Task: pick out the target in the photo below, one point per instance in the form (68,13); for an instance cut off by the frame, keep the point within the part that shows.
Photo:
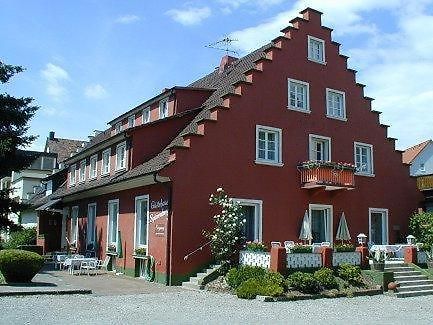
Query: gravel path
(190,307)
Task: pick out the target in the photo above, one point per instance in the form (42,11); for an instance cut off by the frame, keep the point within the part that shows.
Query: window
(74,225)
(121,156)
(82,172)
(163,108)
(335,104)
(118,127)
(378,222)
(113,216)
(299,95)
(321,222)
(92,167)
(320,148)
(146,115)
(268,145)
(252,213)
(422,167)
(364,159)
(106,162)
(316,49)
(72,173)
(141,220)
(48,163)
(91,223)
(131,121)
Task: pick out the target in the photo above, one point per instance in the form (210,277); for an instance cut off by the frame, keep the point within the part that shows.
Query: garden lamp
(410,240)
(362,239)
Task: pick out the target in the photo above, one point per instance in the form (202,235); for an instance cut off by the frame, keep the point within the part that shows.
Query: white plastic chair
(275,244)
(288,244)
(88,266)
(102,264)
(325,244)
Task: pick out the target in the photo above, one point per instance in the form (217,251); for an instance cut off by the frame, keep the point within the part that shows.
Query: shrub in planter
(350,273)
(256,247)
(236,276)
(301,248)
(344,247)
(326,278)
(141,251)
(304,282)
(19,266)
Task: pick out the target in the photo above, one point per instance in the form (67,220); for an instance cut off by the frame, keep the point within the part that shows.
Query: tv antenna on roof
(223,45)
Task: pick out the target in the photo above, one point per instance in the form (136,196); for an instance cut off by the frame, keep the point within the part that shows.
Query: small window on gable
(320,148)
(335,104)
(268,145)
(121,156)
(72,172)
(316,49)
(131,121)
(146,115)
(163,108)
(118,127)
(299,95)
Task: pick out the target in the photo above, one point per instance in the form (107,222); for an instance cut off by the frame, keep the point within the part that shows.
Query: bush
(236,276)
(300,248)
(326,279)
(421,226)
(26,236)
(248,289)
(271,284)
(344,247)
(19,266)
(256,247)
(304,282)
(425,247)
(350,273)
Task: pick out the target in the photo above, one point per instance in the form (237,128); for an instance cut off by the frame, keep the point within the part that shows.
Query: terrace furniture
(288,244)
(75,262)
(275,243)
(88,266)
(325,244)
(103,264)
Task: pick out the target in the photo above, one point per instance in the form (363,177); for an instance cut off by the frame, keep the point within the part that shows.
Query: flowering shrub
(301,248)
(344,247)
(336,165)
(256,247)
(227,236)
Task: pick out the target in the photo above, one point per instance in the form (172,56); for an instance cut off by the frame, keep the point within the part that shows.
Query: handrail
(196,250)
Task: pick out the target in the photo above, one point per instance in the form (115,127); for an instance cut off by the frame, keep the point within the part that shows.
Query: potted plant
(256,247)
(343,247)
(378,258)
(112,248)
(141,251)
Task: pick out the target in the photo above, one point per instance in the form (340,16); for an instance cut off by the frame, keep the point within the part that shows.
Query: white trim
(323,49)
(258,216)
(355,143)
(108,221)
(93,157)
(118,127)
(65,214)
(109,162)
(341,118)
(82,162)
(321,137)
(131,118)
(161,102)
(94,224)
(143,198)
(74,237)
(279,161)
(315,206)
(122,144)
(143,121)
(385,224)
(307,109)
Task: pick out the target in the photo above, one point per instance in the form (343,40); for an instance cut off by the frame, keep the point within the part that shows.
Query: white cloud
(55,76)
(228,6)
(189,16)
(127,19)
(95,91)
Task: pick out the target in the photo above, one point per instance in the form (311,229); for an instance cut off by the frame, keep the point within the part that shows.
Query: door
(378,226)
(249,230)
(321,220)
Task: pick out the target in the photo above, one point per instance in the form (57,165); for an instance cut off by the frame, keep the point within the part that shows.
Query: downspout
(168,246)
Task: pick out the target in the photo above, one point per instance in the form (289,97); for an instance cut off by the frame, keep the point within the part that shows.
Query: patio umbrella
(343,230)
(306,228)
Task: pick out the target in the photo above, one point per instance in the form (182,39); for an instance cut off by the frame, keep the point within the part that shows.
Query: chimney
(226,62)
(51,135)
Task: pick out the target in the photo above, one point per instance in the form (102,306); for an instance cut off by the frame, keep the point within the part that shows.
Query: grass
(426,271)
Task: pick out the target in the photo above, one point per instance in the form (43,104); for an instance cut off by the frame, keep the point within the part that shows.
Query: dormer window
(118,127)
(316,49)
(146,115)
(105,170)
(163,108)
(131,121)
(121,156)
(82,172)
(72,174)
(92,167)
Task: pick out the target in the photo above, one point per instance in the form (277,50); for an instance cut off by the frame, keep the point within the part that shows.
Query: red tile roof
(411,153)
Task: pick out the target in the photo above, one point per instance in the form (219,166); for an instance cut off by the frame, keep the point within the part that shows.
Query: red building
(247,127)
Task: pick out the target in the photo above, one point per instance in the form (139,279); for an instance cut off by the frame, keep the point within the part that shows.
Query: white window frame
(120,145)
(118,127)
(131,121)
(307,96)
(103,172)
(74,224)
(162,104)
(73,175)
(330,114)
(137,231)
(362,144)
(95,170)
(114,201)
(385,224)
(88,239)
(422,168)
(315,206)
(312,38)
(146,115)
(82,171)
(279,154)
(258,216)
(311,137)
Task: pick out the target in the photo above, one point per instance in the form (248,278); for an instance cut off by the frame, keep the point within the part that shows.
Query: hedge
(19,266)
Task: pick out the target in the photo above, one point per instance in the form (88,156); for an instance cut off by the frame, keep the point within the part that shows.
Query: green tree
(421,226)
(15,114)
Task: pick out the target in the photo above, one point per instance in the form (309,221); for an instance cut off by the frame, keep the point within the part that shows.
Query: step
(415,288)
(415,283)
(409,278)
(404,273)
(399,269)
(192,286)
(414,293)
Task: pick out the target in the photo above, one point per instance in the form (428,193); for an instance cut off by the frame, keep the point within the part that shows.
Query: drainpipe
(169,187)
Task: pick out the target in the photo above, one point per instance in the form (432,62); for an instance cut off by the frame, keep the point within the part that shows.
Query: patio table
(397,249)
(71,263)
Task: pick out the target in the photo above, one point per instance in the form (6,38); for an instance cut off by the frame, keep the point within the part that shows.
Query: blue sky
(88,61)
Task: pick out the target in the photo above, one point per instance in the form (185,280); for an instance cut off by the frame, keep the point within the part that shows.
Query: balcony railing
(328,175)
(425,182)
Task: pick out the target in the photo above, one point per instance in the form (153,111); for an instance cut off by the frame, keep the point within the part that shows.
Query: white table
(71,263)
(397,249)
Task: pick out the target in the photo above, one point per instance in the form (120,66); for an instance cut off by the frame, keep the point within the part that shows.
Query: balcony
(425,182)
(327,175)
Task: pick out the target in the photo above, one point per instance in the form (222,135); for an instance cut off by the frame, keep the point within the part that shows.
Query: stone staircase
(412,283)
(198,281)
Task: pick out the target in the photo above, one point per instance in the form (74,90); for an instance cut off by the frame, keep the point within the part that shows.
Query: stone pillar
(410,255)
(278,259)
(364,256)
(326,256)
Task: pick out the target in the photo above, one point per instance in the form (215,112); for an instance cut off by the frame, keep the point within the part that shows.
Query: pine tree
(15,114)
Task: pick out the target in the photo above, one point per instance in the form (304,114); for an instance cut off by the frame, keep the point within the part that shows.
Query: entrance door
(321,220)
(378,226)
(252,213)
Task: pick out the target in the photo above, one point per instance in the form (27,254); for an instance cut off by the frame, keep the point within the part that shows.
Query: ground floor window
(113,216)
(252,213)
(141,221)
(321,222)
(378,221)
(74,225)
(91,223)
